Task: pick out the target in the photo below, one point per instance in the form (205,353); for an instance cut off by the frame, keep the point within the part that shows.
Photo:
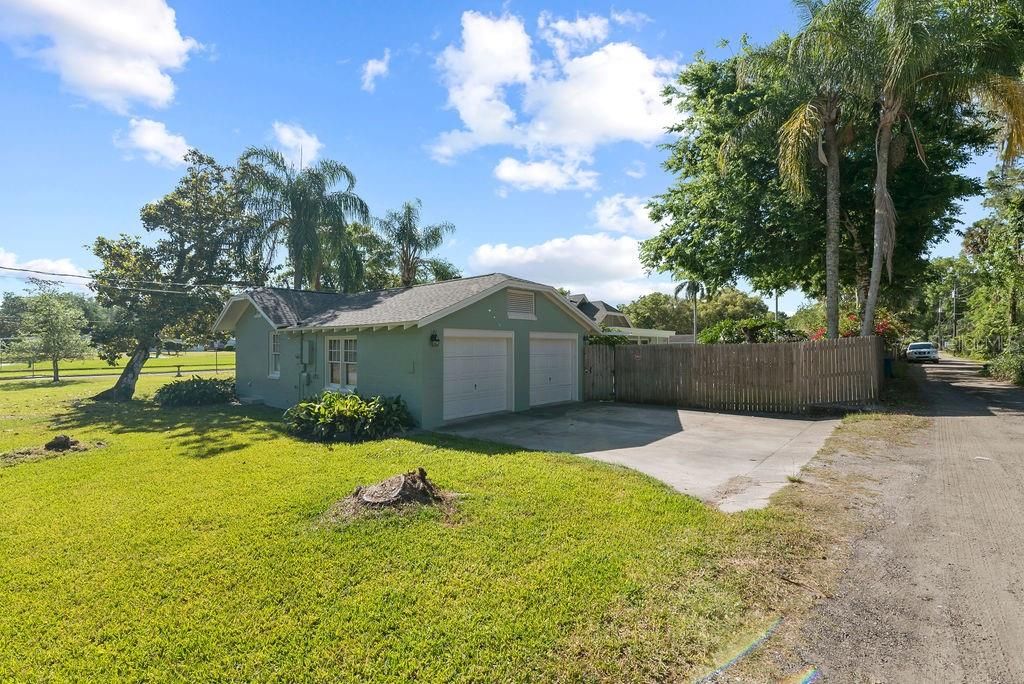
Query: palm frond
(1004,96)
(797,136)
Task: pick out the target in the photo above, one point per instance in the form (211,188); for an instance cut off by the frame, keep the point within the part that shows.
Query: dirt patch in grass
(60,444)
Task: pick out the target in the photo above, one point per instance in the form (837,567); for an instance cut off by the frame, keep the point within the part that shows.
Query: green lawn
(188,548)
(204,361)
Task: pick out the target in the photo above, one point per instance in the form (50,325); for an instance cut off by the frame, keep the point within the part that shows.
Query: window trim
(327,362)
(271,373)
(515,315)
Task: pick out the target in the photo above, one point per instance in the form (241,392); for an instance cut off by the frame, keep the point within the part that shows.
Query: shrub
(196,391)
(332,417)
(731,331)
(1010,364)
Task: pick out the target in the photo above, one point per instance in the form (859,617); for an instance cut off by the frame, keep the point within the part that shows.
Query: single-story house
(452,349)
(616,322)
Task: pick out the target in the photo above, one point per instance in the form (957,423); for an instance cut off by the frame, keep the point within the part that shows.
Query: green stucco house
(452,350)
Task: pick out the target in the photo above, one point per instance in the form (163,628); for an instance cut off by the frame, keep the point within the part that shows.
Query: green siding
(252,363)
(490,313)
(396,362)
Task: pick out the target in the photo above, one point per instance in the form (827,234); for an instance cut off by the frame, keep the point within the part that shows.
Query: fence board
(779,377)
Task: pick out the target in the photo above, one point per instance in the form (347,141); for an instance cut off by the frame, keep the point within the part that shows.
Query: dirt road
(935,591)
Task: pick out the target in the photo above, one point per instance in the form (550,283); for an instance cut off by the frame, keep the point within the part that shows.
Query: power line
(116,287)
(126,280)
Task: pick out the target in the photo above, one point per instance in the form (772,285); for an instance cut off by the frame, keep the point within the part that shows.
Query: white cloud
(374,69)
(558,111)
(495,53)
(636,170)
(607,96)
(621,214)
(154,141)
(546,175)
(299,146)
(630,18)
(566,37)
(601,265)
(114,52)
(63,265)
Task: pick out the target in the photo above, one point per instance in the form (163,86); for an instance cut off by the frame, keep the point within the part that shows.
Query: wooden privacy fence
(783,377)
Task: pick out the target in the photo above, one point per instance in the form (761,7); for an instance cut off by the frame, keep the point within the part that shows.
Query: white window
(520,305)
(275,355)
(341,362)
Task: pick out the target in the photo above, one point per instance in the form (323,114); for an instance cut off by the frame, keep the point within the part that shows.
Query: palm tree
(965,53)
(410,245)
(694,289)
(303,207)
(824,64)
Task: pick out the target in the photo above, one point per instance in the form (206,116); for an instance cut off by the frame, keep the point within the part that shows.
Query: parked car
(922,351)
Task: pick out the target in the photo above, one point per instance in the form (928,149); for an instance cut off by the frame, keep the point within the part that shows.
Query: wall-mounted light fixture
(435,341)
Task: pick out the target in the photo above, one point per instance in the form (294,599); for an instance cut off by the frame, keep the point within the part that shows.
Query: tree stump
(407,488)
(60,443)
(395,493)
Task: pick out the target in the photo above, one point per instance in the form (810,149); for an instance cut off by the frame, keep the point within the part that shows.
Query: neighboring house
(452,349)
(602,313)
(618,323)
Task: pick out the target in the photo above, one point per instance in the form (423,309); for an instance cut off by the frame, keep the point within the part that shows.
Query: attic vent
(520,304)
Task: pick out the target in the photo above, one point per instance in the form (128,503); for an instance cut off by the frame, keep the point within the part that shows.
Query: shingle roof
(305,309)
(599,311)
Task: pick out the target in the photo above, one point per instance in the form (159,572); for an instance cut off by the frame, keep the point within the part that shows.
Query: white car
(922,351)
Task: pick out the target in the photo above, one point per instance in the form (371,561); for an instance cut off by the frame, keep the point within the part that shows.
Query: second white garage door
(553,365)
(477,370)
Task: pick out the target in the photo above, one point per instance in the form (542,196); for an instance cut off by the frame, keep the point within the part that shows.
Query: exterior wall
(388,363)
(252,363)
(491,314)
(396,362)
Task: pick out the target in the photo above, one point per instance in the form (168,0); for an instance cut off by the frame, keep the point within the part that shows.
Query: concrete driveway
(730,461)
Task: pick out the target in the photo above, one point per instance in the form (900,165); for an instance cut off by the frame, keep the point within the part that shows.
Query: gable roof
(598,310)
(396,307)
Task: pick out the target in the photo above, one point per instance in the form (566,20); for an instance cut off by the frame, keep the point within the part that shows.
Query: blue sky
(533,127)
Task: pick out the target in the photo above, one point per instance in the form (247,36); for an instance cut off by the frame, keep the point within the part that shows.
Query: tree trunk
(297,279)
(883,215)
(1014,306)
(124,388)
(862,273)
(832,229)
(56,369)
(695,319)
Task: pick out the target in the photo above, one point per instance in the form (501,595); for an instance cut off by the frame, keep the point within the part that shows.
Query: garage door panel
(476,375)
(553,363)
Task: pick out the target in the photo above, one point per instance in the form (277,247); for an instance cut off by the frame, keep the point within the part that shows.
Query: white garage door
(553,365)
(476,375)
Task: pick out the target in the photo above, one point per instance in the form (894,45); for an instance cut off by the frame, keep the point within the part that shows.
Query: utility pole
(955,339)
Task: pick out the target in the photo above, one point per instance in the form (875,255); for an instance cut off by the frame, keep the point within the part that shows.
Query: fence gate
(598,372)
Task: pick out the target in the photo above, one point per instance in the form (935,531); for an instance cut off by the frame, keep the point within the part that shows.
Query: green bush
(1010,364)
(333,417)
(749,330)
(196,391)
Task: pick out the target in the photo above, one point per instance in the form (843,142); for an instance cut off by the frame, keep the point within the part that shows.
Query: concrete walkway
(734,462)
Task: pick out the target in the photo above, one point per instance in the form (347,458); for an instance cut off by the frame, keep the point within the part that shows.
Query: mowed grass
(203,361)
(189,548)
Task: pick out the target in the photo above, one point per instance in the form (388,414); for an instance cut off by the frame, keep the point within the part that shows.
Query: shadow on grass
(37,384)
(447,442)
(201,431)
